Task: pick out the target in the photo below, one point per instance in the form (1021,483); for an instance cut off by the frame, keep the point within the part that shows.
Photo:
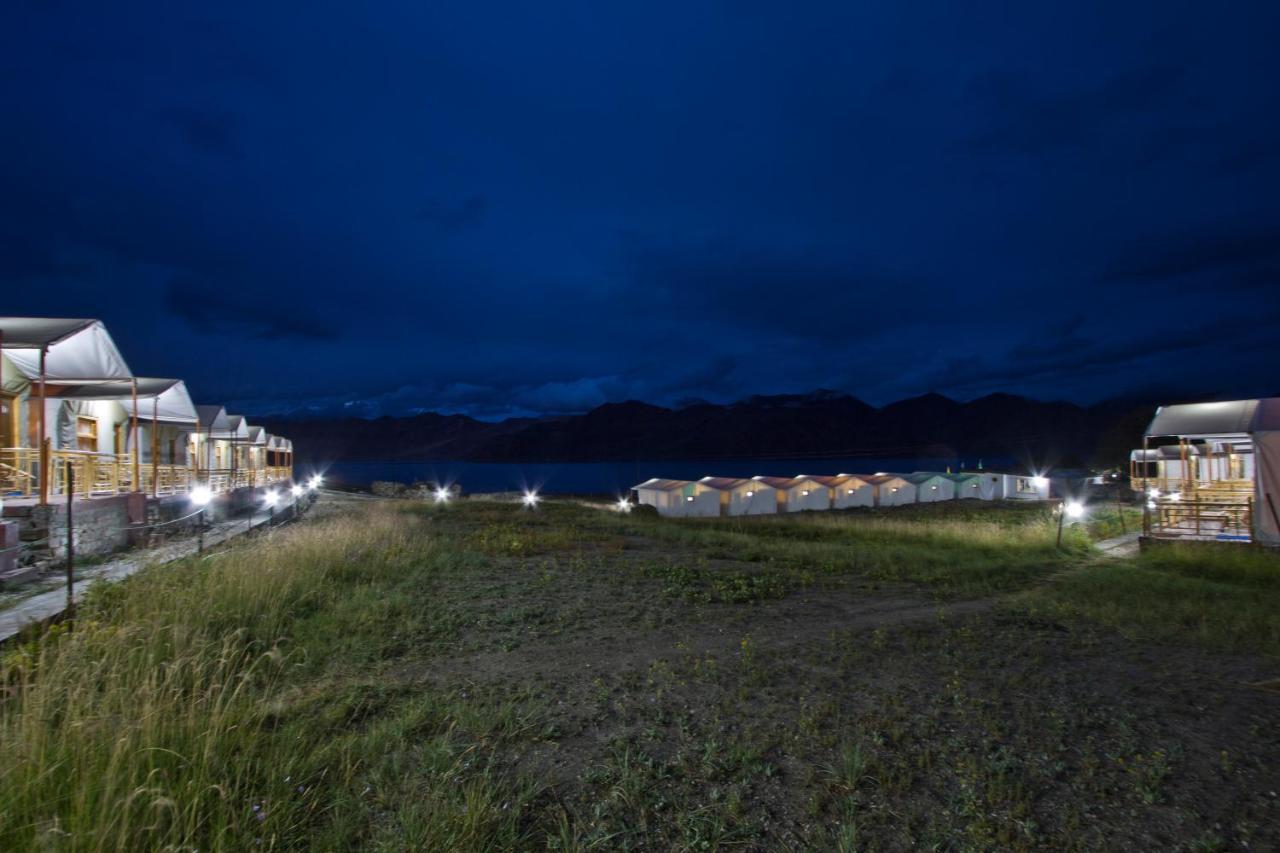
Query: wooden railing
(113,474)
(1200,516)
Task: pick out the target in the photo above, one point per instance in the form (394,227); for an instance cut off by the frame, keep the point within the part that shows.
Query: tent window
(1023,485)
(86,434)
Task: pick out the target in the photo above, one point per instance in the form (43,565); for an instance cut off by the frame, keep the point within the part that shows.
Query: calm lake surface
(615,478)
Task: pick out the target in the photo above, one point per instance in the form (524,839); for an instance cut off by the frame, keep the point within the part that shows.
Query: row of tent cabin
(722,496)
(74,417)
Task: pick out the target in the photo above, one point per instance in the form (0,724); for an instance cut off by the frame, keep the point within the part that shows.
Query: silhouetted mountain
(822,423)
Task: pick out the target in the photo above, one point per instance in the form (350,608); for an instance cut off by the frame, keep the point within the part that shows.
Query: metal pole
(71,543)
(137,451)
(200,532)
(1120,510)
(1062,510)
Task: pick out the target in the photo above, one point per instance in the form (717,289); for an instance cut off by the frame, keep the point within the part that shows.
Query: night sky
(534,208)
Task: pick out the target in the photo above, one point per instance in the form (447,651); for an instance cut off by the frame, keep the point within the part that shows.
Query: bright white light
(804,492)
(1151,504)
(1039,482)
(530,499)
(201,495)
(297,491)
(689,498)
(1175,496)
(270,498)
(315,482)
(751,494)
(1074,509)
(1155,493)
(442,495)
(624,505)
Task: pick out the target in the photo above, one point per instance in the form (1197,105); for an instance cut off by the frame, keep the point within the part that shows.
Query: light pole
(1074,509)
(200,497)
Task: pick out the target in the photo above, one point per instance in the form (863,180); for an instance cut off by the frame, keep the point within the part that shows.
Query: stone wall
(102,525)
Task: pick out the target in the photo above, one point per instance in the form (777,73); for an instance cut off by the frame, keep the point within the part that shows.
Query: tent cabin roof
(919,477)
(167,400)
(882,479)
(1233,417)
(273,442)
(824,480)
(1266,417)
(658,484)
(962,477)
(257,435)
(75,350)
(212,417)
(236,429)
(724,484)
(780,483)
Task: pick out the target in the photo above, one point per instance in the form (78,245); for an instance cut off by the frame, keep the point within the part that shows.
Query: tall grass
(952,554)
(220,704)
(1223,597)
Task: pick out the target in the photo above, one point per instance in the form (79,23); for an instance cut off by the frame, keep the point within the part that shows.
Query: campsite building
(1211,471)
(73,416)
(972,486)
(754,496)
(892,490)
(930,487)
(678,498)
(852,490)
(1023,487)
(800,493)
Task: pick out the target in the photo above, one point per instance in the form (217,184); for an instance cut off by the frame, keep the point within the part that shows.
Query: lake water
(612,478)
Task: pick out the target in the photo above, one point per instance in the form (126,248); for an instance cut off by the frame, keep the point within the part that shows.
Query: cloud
(237,309)
(206,132)
(1245,258)
(469,213)
(1030,123)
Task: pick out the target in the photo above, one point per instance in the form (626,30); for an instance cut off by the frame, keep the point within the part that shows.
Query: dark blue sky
(537,207)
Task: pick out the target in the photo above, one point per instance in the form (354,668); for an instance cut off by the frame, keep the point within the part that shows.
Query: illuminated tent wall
(678,498)
(805,492)
(931,488)
(971,486)
(891,490)
(1265,430)
(753,496)
(853,490)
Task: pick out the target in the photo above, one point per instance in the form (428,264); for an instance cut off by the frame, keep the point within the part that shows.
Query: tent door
(8,420)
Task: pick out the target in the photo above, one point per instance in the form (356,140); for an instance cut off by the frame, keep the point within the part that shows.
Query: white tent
(892,490)
(971,486)
(678,498)
(932,487)
(739,496)
(1265,429)
(806,492)
(62,351)
(853,490)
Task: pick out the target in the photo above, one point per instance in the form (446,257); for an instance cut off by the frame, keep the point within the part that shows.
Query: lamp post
(270,499)
(200,497)
(296,491)
(1074,509)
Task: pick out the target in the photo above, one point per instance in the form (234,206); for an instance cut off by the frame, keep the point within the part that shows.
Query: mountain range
(821,423)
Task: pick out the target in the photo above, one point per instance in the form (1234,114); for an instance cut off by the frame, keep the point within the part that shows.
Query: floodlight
(1074,509)
(200,495)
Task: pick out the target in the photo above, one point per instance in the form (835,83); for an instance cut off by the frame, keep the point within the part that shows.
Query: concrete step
(20,576)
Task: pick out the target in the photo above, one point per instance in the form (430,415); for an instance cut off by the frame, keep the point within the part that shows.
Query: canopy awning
(1203,420)
(236,429)
(167,400)
(76,351)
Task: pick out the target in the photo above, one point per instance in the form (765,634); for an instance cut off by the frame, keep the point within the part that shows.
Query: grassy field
(478,676)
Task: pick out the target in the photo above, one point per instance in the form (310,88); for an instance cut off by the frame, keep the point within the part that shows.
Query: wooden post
(1062,511)
(71,542)
(44,451)
(1146,492)
(155,446)
(137,451)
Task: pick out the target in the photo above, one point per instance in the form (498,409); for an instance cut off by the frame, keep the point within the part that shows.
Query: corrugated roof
(1230,418)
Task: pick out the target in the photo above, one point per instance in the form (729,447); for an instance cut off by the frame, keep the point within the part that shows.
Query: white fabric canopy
(76,350)
(212,418)
(1203,419)
(166,399)
(1266,481)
